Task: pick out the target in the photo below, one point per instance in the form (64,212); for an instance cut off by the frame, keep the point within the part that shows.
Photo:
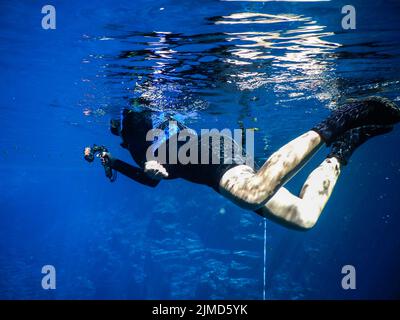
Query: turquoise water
(278,66)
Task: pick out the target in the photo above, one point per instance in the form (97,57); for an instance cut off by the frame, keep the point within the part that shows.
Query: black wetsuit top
(134,129)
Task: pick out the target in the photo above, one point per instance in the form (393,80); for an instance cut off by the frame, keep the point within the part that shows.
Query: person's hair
(137,123)
(135,126)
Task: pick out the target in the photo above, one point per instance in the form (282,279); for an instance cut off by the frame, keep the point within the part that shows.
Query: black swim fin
(358,113)
(344,146)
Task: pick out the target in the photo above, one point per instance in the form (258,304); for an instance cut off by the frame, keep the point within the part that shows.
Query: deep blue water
(276,66)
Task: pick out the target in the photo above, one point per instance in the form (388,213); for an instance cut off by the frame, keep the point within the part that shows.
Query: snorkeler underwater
(200,150)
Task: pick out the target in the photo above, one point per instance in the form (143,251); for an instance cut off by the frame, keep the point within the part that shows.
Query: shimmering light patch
(299,55)
(237,62)
(174,71)
(250,80)
(252,17)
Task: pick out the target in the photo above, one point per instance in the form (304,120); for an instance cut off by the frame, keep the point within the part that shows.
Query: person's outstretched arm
(132,172)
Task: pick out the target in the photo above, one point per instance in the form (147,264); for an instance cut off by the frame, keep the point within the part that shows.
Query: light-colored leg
(252,190)
(304,211)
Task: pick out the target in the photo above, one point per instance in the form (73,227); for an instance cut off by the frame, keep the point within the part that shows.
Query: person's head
(137,123)
(115,126)
(133,126)
(133,130)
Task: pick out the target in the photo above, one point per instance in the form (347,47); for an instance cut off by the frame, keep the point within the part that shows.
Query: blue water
(278,66)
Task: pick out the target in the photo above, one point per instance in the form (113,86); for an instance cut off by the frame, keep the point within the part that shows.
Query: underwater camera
(91,152)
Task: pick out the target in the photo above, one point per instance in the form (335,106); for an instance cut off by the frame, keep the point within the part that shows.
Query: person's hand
(104,157)
(87,151)
(87,155)
(155,170)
